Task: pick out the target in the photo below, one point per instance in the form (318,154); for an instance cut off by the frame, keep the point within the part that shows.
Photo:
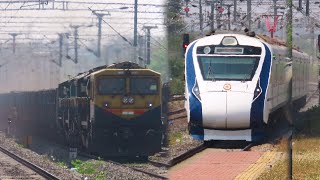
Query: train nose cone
(226,110)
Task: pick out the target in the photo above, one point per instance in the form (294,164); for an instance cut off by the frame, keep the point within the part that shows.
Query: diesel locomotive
(111,110)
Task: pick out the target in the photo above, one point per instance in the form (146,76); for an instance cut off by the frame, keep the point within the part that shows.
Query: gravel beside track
(52,153)
(11,169)
(179,138)
(40,160)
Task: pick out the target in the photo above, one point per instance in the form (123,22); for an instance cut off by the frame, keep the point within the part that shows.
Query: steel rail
(187,154)
(30,165)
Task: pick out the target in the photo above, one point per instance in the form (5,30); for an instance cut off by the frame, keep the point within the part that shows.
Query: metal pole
(314,47)
(307,8)
(60,49)
(148,46)
(275,8)
(212,17)
(300,5)
(14,42)
(275,13)
(289,55)
(140,50)
(200,17)
(76,44)
(234,10)
(289,29)
(99,34)
(67,44)
(135,33)
(218,20)
(229,13)
(249,14)
(148,58)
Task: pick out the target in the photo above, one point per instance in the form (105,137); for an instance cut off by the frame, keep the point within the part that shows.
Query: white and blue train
(235,82)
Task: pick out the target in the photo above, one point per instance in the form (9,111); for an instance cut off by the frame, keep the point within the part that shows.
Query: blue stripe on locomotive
(256,114)
(195,126)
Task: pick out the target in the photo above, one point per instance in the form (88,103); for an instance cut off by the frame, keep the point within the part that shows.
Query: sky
(34,64)
(45,24)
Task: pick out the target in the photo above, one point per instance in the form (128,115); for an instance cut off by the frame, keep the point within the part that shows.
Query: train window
(228,68)
(143,85)
(111,85)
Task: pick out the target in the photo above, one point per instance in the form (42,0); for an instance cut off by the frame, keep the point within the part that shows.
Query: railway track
(123,165)
(14,167)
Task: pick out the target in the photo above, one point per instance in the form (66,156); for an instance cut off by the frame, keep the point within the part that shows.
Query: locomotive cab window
(144,85)
(228,68)
(111,85)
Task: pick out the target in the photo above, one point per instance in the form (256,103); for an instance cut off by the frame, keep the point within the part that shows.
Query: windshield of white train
(228,68)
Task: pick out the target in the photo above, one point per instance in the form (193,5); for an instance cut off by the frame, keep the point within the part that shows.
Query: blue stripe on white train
(227,78)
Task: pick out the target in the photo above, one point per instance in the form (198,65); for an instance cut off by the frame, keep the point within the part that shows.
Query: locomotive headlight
(196,91)
(106,105)
(125,100)
(149,105)
(130,100)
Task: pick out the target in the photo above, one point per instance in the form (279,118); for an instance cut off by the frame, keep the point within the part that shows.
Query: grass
(62,164)
(175,138)
(305,153)
(89,168)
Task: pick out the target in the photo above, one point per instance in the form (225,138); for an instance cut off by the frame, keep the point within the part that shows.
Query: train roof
(122,65)
(271,41)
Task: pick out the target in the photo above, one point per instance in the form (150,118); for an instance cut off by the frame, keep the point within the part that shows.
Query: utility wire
(125,39)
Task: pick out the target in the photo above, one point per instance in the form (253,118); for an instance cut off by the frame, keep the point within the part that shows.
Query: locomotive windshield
(139,85)
(228,68)
(112,85)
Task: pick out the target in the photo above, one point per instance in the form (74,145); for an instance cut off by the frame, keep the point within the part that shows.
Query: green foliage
(76,163)
(175,138)
(310,122)
(84,167)
(159,62)
(62,164)
(176,64)
(174,21)
(177,86)
(177,68)
(101,176)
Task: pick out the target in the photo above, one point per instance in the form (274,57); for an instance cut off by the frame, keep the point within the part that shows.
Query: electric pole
(289,106)
(142,50)
(75,43)
(67,44)
(200,17)
(13,42)
(148,43)
(229,13)
(218,18)
(275,9)
(60,48)
(312,24)
(135,33)
(300,5)
(249,14)
(234,10)
(212,16)
(307,8)
(100,16)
